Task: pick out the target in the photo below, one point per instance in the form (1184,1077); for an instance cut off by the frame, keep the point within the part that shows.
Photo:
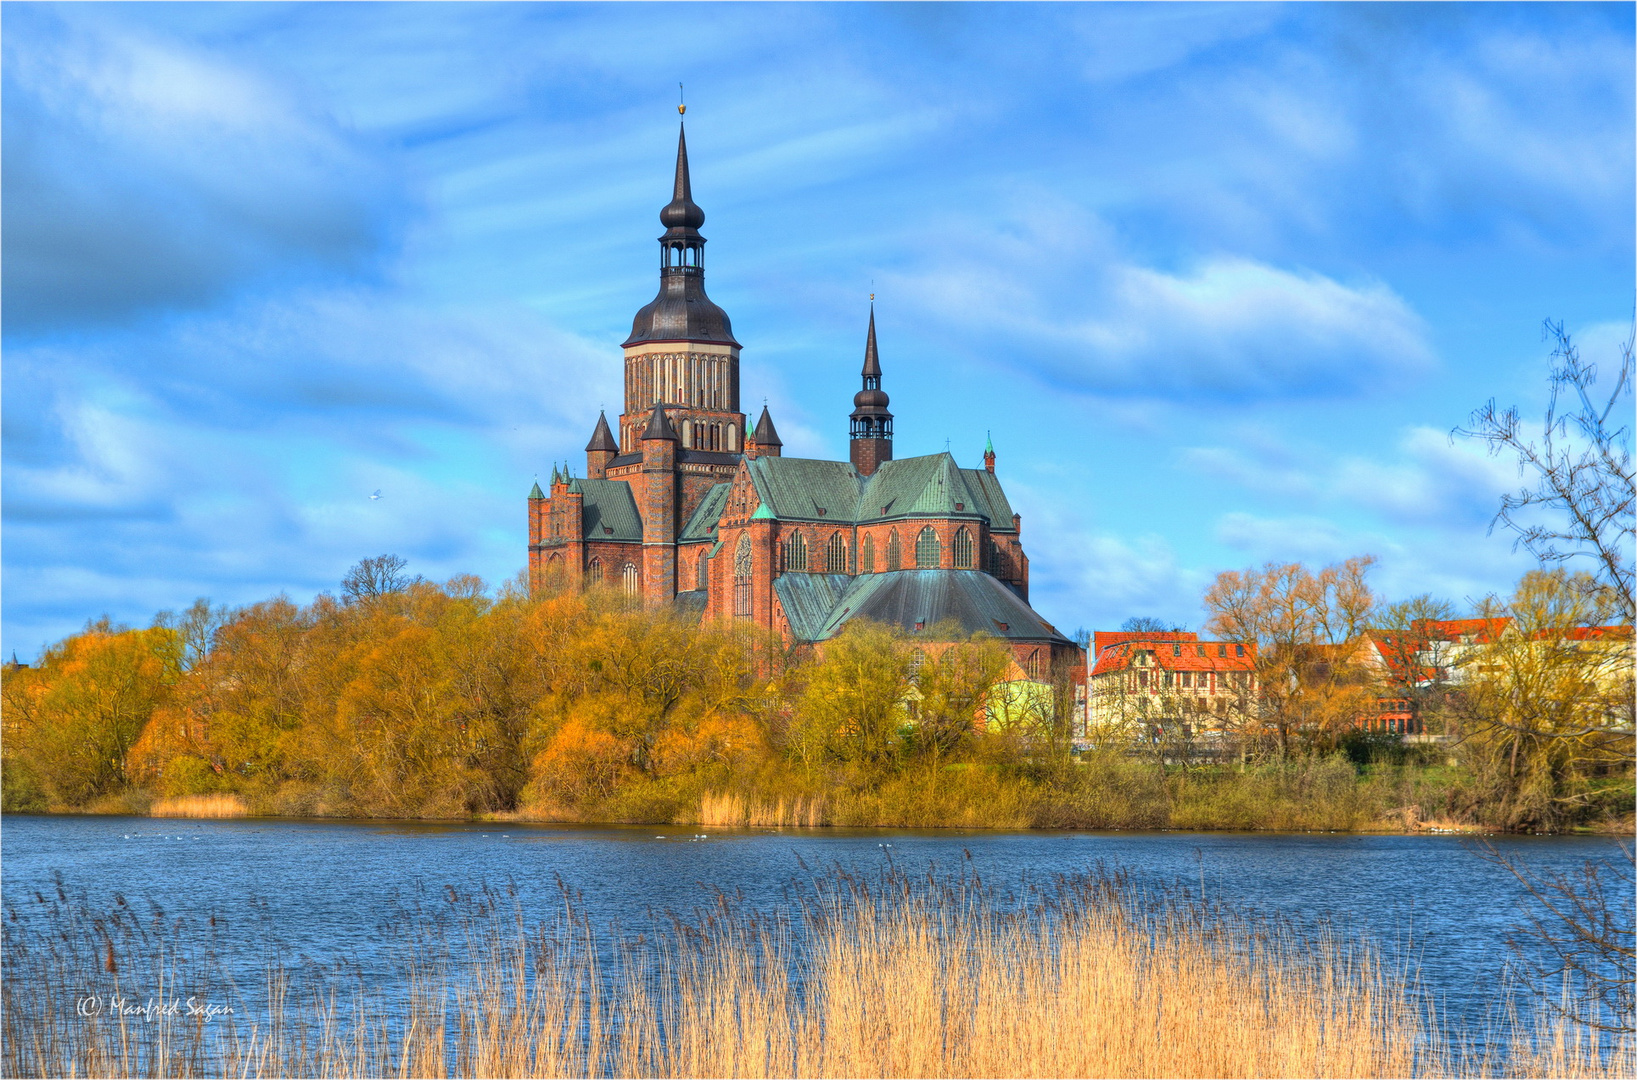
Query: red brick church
(687,506)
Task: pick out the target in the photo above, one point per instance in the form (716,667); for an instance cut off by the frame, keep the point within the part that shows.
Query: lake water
(325,888)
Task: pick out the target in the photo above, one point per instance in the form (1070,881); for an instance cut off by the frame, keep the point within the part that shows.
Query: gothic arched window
(741,579)
(835,554)
(629,579)
(994,559)
(895,553)
(963,549)
(868,563)
(594,572)
(702,575)
(795,553)
(927,549)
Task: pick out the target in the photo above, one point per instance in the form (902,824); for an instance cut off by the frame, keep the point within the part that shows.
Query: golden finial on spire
(681,104)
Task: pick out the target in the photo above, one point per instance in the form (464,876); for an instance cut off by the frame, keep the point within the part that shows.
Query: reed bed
(887,975)
(726,810)
(200,806)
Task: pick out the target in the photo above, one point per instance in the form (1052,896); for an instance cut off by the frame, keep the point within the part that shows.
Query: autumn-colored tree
(850,705)
(638,693)
(1549,702)
(1311,687)
(952,685)
(1409,673)
(232,722)
(72,720)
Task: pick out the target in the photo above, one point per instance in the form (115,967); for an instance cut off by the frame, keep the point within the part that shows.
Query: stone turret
(657,504)
(764,441)
(602,449)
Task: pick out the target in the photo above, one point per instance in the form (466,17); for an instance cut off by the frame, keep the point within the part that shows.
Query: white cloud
(1248,330)
(235,455)
(1428,479)
(1050,291)
(144,175)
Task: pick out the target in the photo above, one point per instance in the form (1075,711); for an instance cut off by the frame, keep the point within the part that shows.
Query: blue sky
(1220,280)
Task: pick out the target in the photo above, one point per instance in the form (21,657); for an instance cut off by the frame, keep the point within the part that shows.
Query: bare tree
(196,630)
(1147,624)
(374,578)
(1576,953)
(1579,468)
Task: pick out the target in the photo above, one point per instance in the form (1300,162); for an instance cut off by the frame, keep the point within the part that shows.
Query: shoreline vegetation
(885,974)
(418,701)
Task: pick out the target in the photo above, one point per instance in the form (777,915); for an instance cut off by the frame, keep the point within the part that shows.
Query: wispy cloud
(141,174)
(1050,286)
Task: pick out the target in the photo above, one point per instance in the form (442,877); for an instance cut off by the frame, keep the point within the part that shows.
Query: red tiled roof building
(1152,682)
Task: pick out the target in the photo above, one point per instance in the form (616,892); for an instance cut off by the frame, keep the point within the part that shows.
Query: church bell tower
(681,353)
(871,422)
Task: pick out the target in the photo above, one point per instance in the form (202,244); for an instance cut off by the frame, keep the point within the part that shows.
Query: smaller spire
(659,426)
(988,442)
(535,492)
(765,434)
(602,438)
(872,362)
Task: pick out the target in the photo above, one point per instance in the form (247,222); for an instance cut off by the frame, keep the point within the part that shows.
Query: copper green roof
(809,600)
(535,492)
(702,523)
(802,489)
(610,511)
(971,599)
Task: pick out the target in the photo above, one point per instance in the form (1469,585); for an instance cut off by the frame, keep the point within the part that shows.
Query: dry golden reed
(888,975)
(200,806)
(724,810)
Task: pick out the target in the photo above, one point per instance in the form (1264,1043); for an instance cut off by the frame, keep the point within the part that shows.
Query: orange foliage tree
(1304,625)
(71,721)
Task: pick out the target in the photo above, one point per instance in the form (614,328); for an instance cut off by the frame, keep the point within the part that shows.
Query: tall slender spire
(872,361)
(871,421)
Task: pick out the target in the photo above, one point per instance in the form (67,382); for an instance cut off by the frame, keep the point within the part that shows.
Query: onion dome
(682,212)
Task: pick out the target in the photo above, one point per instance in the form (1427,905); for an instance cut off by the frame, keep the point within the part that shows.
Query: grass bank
(880,976)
